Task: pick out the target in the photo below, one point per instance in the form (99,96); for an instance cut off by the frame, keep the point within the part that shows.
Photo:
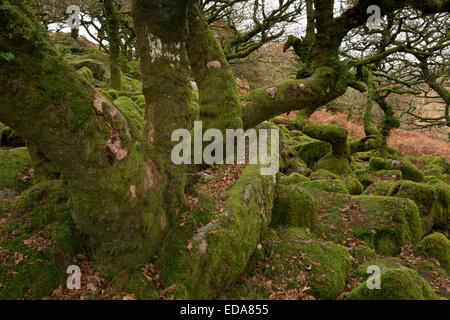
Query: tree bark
(125,192)
(112,26)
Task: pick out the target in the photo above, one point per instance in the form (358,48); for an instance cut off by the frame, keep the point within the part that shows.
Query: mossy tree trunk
(219,96)
(125,191)
(112,26)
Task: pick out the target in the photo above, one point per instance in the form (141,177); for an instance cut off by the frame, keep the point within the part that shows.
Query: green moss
(380,188)
(133,68)
(97,68)
(312,152)
(396,284)
(325,265)
(86,75)
(384,223)
(384,264)
(363,253)
(433,201)
(140,286)
(41,214)
(133,113)
(326,185)
(9,137)
(353,185)
(12,163)
(371,177)
(409,171)
(323,174)
(139,100)
(294,206)
(335,164)
(436,246)
(296,165)
(222,244)
(131,85)
(294,178)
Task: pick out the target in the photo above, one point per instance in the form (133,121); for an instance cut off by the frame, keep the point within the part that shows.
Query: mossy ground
(297,266)
(37,243)
(15,165)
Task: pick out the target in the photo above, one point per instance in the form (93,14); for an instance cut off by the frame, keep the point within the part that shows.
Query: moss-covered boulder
(385,263)
(380,188)
(433,201)
(335,164)
(323,174)
(396,284)
(293,178)
(352,185)
(133,113)
(15,166)
(371,177)
(131,85)
(86,75)
(409,171)
(305,261)
(294,206)
(436,246)
(432,165)
(210,254)
(97,68)
(326,185)
(312,152)
(9,137)
(384,223)
(37,243)
(133,68)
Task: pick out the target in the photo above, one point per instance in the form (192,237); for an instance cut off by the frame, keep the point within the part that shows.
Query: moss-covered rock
(139,100)
(324,265)
(140,286)
(384,223)
(371,177)
(211,254)
(380,188)
(296,165)
(9,137)
(363,253)
(337,165)
(38,242)
(433,201)
(15,165)
(326,185)
(293,178)
(396,284)
(86,74)
(133,113)
(131,85)
(353,185)
(294,206)
(323,174)
(312,152)
(97,68)
(384,264)
(133,68)
(409,171)
(436,246)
